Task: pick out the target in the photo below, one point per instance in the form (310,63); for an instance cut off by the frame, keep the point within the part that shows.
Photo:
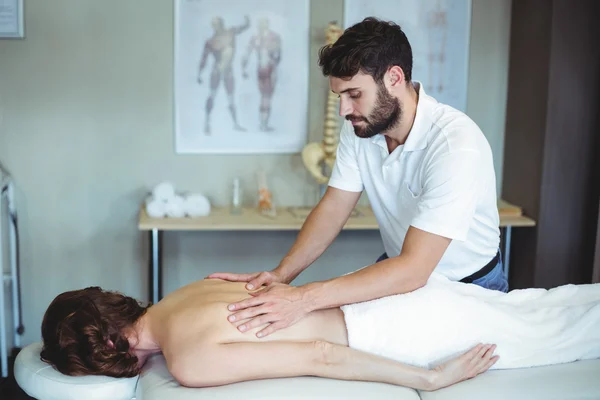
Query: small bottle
(236,198)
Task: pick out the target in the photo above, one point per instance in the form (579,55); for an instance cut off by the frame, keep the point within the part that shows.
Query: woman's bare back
(196,314)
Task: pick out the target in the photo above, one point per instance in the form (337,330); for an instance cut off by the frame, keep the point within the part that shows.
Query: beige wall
(488,73)
(86,130)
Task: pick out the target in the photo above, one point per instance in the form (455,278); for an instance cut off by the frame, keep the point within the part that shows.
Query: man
(267,45)
(222,47)
(427,170)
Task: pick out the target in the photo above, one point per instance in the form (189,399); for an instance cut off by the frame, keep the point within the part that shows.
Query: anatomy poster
(439,33)
(241,76)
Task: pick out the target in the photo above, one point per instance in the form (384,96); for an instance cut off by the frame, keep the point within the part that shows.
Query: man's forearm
(386,278)
(420,254)
(321,227)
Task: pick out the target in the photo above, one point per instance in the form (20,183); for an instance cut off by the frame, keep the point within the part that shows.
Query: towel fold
(155,208)
(164,191)
(174,207)
(196,205)
(531,327)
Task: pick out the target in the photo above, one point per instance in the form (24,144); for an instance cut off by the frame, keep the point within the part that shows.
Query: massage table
(573,381)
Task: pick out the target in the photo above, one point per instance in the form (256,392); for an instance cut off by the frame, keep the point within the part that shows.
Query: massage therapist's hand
(277,305)
(255,280)
(466,366)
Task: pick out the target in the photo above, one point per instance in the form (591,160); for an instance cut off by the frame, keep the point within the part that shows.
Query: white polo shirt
(441,180)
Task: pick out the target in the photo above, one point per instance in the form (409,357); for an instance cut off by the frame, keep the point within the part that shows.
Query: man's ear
(395,76)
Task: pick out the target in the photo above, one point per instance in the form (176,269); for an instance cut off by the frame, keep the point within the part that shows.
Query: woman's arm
(235,362)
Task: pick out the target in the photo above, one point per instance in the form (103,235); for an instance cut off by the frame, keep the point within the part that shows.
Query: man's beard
(386,115)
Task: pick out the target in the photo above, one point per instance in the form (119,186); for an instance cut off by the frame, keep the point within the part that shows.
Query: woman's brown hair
(77,327)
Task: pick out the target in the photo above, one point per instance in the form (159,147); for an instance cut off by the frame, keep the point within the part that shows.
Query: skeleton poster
(241,76)
(439,34)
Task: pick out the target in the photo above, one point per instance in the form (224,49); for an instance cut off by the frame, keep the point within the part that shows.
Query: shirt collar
(417,137)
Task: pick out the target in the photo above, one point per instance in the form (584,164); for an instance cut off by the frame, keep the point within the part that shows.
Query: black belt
(483,271)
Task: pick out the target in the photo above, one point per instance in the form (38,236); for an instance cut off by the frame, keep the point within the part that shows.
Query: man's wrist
(312,294)
(286,271)
(284,277)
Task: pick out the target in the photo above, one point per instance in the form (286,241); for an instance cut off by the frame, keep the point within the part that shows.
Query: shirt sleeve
(452,184)
(346,174)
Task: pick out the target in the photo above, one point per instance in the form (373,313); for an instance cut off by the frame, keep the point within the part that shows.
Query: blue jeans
(494,280)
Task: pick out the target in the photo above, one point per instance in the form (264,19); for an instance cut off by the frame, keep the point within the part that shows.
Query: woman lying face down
(96,332)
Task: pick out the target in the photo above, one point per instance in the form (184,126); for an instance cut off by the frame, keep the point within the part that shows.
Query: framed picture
(439,33)
(241,76)
(11,19)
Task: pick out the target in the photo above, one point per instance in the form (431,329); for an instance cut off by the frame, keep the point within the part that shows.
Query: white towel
(443,319)
(174,207)
(196,205)
(155,208)
(164,191)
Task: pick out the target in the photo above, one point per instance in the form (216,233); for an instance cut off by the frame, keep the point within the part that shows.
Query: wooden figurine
(265,197)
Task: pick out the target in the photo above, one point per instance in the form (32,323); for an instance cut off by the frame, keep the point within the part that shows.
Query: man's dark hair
(371,46)
(76,329)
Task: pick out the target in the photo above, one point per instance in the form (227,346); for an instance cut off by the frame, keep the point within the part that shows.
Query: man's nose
(345,107)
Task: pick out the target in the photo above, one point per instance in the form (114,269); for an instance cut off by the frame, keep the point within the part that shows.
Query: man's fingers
(216,275)
(256,282)
(250,302)
(269,330)
(256,322)
(228,276)
(264,278)
(248,313)
(259,292)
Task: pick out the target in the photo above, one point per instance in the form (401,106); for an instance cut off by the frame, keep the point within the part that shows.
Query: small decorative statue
(319,157)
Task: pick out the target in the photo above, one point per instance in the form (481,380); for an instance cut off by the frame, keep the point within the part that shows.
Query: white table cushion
(41,381)
(156,383)
(577,381)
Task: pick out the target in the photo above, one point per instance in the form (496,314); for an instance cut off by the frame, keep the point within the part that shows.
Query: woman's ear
(110,344)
